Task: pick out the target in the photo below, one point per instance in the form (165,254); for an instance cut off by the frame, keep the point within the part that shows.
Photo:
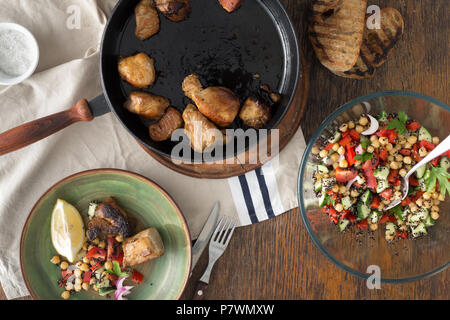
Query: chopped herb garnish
(398,124)
(363,157)
(365,142)
(329,200)
(116,270)
(398,212)
(441,176)
(382,116)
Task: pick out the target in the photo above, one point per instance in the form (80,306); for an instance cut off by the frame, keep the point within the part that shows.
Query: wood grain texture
(277,259)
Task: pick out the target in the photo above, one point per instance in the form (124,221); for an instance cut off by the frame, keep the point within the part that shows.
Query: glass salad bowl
(361,252)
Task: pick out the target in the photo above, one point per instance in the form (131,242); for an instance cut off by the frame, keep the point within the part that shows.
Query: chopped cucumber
(92,207)
(103,284)
(322,168)
(363,211)
(429,222)
(382,185)
(421,171)
(419,216)
(425,135)
(419,230)
(337,136)
(444,163)
(427,174)
(374,217)
(381,173)
(390,228)
(323,200)
(318,186)
(104,291)
(347,202)
(422,185)
(366,198)
(343,224)
(328,183)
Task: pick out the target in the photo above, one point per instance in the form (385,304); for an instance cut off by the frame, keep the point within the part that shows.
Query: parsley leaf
(329,200)
(382,116)
(398,212)
(363,157)
(398,124)
(116,270)
(365,142)
(440,175)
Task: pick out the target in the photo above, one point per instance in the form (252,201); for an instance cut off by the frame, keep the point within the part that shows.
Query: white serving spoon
(441,148)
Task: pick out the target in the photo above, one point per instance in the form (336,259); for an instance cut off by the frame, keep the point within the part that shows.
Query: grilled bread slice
(377,44)
(336,30)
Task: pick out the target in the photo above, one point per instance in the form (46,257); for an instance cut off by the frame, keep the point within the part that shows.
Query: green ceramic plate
(147,204)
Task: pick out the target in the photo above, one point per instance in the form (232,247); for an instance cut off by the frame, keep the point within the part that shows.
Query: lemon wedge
(67,229)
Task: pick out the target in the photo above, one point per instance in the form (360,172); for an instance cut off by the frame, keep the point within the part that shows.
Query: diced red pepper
(405,152)
(345,141)
(370,178)
(397,182)
(435,161)
(334,219)
(65,274)
(87,276)
(413,126)
(362,224)
(375,202)
(402,234)
(371,164)
(393,174)
(384,155)
(417,196)
(383,219)
(413,181)
(343,175)
(386,194)
(391,134)
(415,152)
(115,251)
(354,134)
(333,213)
(96,266)
(345,134)
(97,254)
(347,215)
(350,155)
(427,145)
(113,278)
(406,201)
(137,277)
(329,146)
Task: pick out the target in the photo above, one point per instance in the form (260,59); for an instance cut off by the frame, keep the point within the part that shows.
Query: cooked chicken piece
(138,70)
(218,104)
(230,5)
(255,113)
(175,10)
(164,128)
(109,220)
(147,105)
(142,247)
(147,19)
(201,132)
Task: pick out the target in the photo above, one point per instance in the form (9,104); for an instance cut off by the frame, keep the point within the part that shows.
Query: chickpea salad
(360,170)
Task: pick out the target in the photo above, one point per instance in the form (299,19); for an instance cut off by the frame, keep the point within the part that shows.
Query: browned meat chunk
(138,70)
(218,104)
(164,128)
(147,105)
(255,113)
(142,247)
(230,5)
(109,220)
(147,20)
(175,10)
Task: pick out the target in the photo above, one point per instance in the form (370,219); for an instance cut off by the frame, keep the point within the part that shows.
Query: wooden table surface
(277,259)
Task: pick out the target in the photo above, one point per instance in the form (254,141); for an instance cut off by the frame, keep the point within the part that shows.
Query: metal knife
(205,235)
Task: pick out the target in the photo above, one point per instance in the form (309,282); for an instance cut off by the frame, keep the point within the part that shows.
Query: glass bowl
(357,252)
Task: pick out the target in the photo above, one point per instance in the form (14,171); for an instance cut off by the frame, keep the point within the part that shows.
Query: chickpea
(77,272)
(402,140)
(374,227)
(389,237)
(412,139)
(323,153)
(413,207)
(92,281)
(69,286)
(435,208)
(397,195)
(434,215)
(427,204)
(77,287)
(102,244)
(370,149)
(315,150)
(407,160)
(373,138)
(407,145)
(436,202)
(441,197)
(391,158)
(354,193)
(389,147)
(343,163)
(335,165)
(335,147)
(436,140)
(85,286)
(85,267)
(376,144)
(381,206)
(339,207)
(108,265)
(363,121)
(334,157)
(399,158)
(55,260)
(342,189)
(341,151)
(78,281)
(335,188)
(427,196)
(383,141)
(65,295)
(358,163)
(90,247)
(394,165)
(343,127)
(403,227)
(86,260)
(359,128)
(64,265)
(423,152)
(397,188)
(96,241)
(403,172)
(351,125)
(435,195)
(419,202)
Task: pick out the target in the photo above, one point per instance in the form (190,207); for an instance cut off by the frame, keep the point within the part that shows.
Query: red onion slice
(349,184)
(374,126)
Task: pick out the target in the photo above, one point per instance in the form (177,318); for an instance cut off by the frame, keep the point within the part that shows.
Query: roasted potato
(255,112)
(147,105)
(147,20)
(175,10)
(138,70)
(164,128)
(230,5)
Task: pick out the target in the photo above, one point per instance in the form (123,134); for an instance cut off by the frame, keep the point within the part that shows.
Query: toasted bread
(336,30)
(377,44)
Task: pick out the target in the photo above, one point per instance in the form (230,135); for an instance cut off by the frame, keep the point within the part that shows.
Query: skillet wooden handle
(199,293)
(36,130)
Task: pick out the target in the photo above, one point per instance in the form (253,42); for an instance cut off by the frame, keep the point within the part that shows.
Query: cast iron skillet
(252,46)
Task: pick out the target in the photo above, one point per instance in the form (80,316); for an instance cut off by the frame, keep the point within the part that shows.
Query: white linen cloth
(68,71)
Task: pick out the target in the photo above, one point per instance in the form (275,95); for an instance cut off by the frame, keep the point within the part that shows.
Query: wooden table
(276,259)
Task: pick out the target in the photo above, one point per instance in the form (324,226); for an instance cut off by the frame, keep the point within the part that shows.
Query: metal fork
(219,242)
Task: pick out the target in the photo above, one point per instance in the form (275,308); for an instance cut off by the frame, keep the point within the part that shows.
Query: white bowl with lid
(19,53)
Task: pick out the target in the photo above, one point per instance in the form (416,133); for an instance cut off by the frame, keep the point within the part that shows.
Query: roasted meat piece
(230,5)
(147,20)
(142,247)
(175,10)
(218,104)
(255,112)
(147,105)
(201,132)
(164,128)
(138,70)
(109,220)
